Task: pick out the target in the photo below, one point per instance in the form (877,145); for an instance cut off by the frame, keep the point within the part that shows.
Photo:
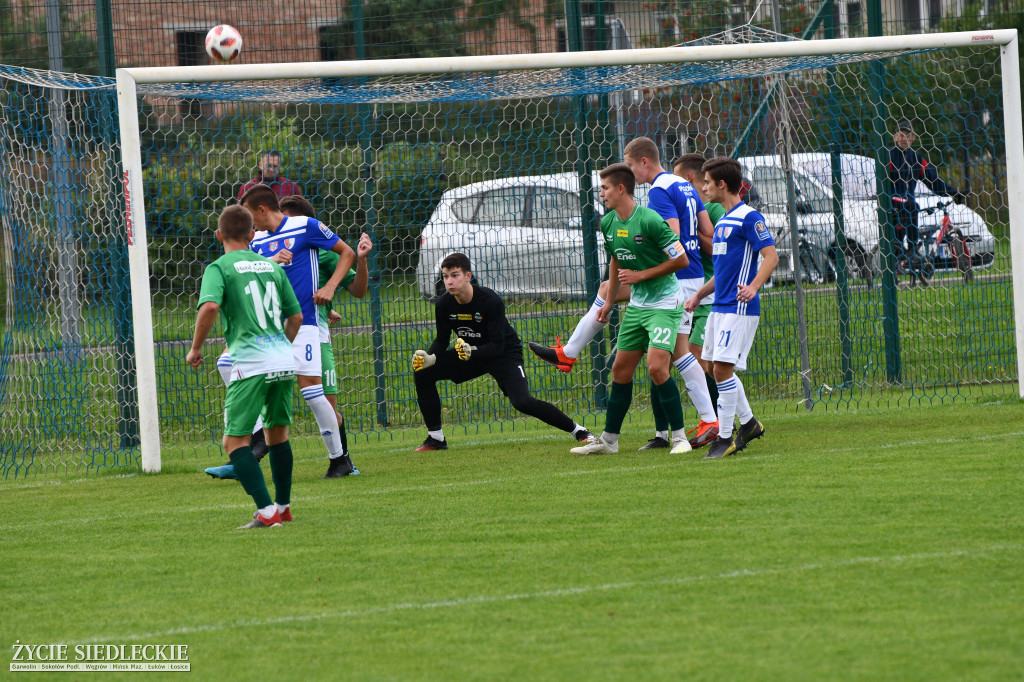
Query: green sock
(281,462)
(660,420)
(249,474)
(619,398)
(668,396)
(712,389)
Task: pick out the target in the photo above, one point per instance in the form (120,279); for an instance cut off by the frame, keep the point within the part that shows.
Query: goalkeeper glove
(462,348)
(421,359)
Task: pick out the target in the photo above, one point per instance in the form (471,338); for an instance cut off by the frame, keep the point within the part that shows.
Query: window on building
(934,13)
(191,50)
(589,26)
(912,16)
(335,43)
(854,19)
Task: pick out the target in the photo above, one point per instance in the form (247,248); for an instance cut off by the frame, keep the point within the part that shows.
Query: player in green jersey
(355,282)
(261,318)
(645,253)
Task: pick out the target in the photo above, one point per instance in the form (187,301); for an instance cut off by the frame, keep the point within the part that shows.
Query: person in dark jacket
(906,167)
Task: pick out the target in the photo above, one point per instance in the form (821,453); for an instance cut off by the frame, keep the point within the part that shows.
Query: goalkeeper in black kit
(485,343)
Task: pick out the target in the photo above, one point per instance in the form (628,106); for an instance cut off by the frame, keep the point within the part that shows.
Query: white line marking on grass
(548,594)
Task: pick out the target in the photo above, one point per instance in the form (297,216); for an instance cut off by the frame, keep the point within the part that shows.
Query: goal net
(495,157)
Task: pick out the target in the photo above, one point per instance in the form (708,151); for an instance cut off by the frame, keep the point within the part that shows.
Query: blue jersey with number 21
(739,237)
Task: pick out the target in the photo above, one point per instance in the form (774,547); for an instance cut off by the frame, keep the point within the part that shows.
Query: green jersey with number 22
(640,242)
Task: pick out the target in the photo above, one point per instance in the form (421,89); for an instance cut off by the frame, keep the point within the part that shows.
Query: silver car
(523,236)
(812,179)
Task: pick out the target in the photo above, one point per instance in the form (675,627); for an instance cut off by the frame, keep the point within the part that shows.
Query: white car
(812,177)
(523,236)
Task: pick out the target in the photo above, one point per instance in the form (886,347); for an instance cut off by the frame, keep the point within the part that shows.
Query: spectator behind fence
(270,168)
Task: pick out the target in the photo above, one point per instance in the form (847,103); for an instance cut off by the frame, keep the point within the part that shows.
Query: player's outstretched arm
(205,319)
(359,285)
(347,258)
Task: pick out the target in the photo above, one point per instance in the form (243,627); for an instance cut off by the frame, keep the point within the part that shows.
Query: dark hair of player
(693,163)
(260,195)
(235,223)
(456,260)
(723,168)
(619,174)
(297,205)
(642,148)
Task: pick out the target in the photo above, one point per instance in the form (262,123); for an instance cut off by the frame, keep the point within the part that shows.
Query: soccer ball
(223,43)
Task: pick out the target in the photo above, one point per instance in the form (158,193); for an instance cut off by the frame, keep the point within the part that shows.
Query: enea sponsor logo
(624,254)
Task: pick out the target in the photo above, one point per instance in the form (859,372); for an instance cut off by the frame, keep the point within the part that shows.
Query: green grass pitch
(871,545)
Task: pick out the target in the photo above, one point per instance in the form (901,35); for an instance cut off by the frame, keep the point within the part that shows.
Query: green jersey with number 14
(640,242)
(254,296)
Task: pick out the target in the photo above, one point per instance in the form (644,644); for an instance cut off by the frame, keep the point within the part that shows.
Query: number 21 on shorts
(723,338)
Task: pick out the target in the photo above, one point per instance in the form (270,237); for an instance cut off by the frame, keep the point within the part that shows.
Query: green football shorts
(269,395)
(329,373)
(700,320)
(644,328)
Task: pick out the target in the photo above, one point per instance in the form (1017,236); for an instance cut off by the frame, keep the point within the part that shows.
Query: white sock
(678,433)
(436,435)
(610,438)
(326,419)
(577,427)
(586,329)
(743,410)
(224,366)
(696,387)
(726,406)
(267,512)
(661,434)
(281,507)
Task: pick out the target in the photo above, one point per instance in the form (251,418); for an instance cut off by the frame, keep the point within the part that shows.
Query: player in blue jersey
(680,205)
(302,238)
(740,236)
(356,283)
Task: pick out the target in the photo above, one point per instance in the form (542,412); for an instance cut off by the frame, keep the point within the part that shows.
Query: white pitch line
(545,594)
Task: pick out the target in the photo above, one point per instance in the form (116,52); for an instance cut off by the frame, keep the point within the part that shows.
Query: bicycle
(923,265)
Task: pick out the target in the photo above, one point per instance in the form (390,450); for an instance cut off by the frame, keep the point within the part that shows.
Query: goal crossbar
(567,60)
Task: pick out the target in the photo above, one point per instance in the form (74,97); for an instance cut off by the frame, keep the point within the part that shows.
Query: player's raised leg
(564,357)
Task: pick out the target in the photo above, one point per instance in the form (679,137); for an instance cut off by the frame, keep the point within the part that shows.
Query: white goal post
(129,80)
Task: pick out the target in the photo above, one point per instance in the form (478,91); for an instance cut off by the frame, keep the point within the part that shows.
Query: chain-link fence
(501,169)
